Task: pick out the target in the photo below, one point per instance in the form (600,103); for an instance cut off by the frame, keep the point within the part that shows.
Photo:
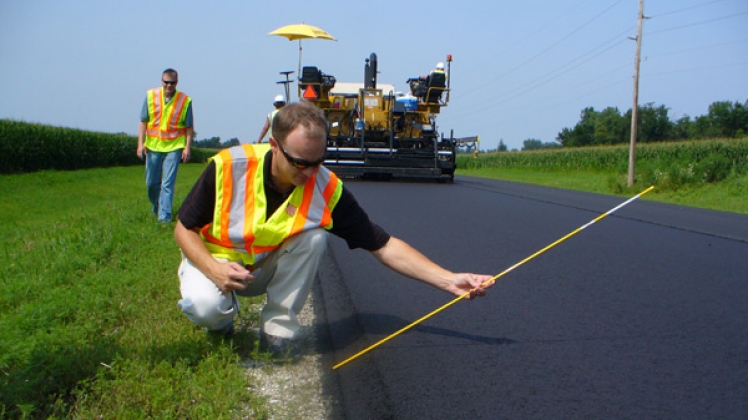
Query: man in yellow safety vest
(257,221)
(164,138)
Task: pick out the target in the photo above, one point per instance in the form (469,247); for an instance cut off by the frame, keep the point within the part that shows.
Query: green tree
(583,134)
(535,144)
(654,124)
(532,144)
(724,119)
(610,127)
(231,142)
(727,119)
(683,129)
(211,143)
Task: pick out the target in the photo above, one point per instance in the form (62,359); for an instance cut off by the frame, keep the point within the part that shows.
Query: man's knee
(202,302)
(313,241)
(212,312)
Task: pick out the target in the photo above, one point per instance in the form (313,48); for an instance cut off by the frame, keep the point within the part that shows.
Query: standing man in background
(278,103)
(164,138)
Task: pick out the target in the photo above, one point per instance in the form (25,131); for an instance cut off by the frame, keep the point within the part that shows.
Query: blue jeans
(160,178)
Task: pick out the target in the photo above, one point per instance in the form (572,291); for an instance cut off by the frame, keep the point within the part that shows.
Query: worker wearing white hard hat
(278,102)
(419,87)
(439,68)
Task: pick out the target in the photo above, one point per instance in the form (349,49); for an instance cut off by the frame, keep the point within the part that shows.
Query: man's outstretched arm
(406,260)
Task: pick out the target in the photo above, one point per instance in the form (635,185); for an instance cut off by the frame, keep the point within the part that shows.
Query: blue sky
(521,70)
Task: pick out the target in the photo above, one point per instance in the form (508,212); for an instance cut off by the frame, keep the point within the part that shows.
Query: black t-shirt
(350,221)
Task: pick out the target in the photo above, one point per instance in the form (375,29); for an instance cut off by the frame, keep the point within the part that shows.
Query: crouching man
(257,222)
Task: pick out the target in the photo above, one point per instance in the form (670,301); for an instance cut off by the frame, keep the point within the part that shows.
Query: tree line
(724,119)
(215,143)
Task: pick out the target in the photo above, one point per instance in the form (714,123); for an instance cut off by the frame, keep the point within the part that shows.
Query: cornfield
(666,164)
(30,147)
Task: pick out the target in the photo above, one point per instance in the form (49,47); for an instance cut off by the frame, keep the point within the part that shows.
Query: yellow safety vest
(240,229)
(166,129)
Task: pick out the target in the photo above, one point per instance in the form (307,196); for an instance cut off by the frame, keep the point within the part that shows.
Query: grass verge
(89,326)
(728,195)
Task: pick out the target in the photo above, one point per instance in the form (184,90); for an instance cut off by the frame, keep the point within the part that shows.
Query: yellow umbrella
(301,31)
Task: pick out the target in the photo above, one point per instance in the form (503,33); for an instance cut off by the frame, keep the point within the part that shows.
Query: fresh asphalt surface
(643,315)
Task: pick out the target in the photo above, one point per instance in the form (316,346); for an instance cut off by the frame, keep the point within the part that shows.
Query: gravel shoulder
(295,390)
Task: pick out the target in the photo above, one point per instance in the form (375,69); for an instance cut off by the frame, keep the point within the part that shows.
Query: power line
(534,107)
(531,109)
(704,47)
(561,71)
(539,82)
(698,23)
(739,63)
(567,36)
(542,27)
(469,112)
(686,8)
(558,72)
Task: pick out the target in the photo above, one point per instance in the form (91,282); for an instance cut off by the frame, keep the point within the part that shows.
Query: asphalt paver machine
(376,132)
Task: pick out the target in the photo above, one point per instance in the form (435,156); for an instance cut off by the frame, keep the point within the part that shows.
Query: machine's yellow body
(376,132)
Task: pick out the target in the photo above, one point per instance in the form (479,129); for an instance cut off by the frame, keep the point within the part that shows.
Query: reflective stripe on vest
(166,129)
(240,229)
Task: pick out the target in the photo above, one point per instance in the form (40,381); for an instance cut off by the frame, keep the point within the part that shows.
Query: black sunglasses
(169,82)
(300,163)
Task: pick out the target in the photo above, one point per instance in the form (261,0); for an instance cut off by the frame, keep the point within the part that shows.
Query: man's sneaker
(279,347)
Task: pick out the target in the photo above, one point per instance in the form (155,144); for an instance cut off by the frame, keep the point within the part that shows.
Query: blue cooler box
(410,103)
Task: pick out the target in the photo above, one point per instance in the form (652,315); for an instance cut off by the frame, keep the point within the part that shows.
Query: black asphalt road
(643,315)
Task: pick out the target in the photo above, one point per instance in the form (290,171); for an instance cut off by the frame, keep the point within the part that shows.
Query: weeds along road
(641,315)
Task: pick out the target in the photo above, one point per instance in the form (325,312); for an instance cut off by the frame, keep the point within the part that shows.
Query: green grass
(728,195)
(709,173)
(89,326)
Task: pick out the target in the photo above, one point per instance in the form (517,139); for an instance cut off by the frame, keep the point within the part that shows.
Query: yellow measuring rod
(491,280)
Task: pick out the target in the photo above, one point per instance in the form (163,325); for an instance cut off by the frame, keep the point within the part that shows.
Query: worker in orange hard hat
(278,102)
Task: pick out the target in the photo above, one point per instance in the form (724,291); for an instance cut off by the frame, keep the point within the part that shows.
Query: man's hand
(142,128)
(476,284)
(230,276)
(227,276)
(186,154)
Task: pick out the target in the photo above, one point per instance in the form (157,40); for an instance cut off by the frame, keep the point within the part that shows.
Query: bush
(715,168)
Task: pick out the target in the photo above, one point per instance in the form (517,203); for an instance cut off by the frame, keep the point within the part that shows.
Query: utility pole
(635,106)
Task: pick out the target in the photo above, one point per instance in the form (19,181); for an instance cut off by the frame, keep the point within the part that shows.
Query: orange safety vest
(240,229)
(166,129)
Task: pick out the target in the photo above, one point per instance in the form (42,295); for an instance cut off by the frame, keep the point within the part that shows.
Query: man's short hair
(298,114)
(171,72)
